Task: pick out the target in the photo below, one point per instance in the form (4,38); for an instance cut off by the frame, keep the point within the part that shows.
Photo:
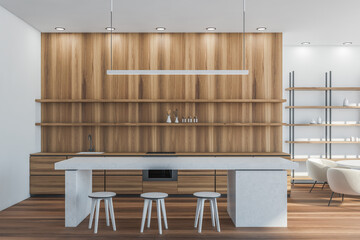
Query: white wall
(310,64)
(20,82)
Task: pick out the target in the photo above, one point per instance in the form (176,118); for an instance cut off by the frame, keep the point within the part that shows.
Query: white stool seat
(102,195)
(201,198)
(96,198)
(154,195)
(207,194)
(160,204)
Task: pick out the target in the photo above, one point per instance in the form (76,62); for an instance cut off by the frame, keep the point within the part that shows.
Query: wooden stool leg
(93,202)
(162,201)
(106,201)
(146,204)
(216,215)
(202,202)
(197,213)
(97,215)
(112,214)
(149,213)
(159,215)
(212,212)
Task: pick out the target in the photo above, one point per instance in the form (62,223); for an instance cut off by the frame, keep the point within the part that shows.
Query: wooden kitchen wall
(74,67)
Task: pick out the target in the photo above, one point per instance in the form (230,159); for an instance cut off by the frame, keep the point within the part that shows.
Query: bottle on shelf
(189,119)
(196,120)
(168,120)
(183,119)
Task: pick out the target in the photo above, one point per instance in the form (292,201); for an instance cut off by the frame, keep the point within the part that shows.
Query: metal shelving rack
(328,107)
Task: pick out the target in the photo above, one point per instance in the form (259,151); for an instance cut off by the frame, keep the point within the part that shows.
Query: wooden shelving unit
(322,125)
(160,124)
(334,159)
(328,107)
(160,100)
(318,142)
(324,107)
(323,89)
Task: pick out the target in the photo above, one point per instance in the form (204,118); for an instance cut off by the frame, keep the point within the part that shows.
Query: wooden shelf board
(280,154)
(160,100)
(319,125)
(160,124)
(323,107)
(334,159)
(341,142)
(323,88)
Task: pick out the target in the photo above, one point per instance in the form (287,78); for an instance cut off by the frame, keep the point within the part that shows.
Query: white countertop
(176,163)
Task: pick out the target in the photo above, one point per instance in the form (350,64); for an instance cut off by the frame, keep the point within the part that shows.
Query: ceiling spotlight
(160,29)
(347,43)
(305,43)
(110,28)
(261,28)
(210,28)
(60,28)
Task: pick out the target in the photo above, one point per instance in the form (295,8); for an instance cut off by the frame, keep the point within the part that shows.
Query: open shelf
(324,107)
(160,100)
(323,125)
(334,159)
(323,89)
(341,142)
(160,124)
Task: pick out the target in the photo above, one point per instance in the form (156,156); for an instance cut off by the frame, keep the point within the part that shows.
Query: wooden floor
(309,217)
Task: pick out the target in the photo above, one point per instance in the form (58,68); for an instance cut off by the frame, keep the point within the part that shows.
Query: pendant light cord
(111,33)
(243,64)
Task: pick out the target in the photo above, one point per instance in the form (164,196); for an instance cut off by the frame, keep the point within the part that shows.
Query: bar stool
(201,198)
(160,203)
(96,198)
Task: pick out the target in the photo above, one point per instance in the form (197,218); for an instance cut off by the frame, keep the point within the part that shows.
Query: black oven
(160,175)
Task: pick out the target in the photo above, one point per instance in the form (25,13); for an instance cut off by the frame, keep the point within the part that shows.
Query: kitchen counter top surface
(175,162)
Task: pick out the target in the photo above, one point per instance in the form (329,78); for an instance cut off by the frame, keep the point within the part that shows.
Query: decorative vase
(176,119)
(346,102)
(168,120)
(319,120)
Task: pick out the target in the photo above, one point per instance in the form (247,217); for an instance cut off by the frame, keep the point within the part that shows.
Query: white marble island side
(257,186)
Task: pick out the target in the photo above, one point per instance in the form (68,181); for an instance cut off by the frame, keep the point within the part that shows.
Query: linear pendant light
(178,72)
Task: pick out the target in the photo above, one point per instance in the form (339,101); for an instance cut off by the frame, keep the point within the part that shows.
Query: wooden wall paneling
(170,187)
(74,67)
(191,184)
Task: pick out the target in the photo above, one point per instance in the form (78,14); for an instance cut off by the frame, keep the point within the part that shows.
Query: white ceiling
(321,22)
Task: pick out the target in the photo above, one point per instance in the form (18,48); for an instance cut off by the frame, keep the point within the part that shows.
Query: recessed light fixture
(261,28)
(60,29)
(160,29)
(305,43)
(110,28)
(347,43)
(210,28)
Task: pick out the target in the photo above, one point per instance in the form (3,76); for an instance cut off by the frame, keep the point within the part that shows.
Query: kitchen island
(257,186)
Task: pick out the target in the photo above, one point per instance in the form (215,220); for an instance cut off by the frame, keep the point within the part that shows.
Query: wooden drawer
(170,187)
(56,184)
(221,184)
(191,184)
(47,184)
(98,184)
(45,166)
(123,173)
(124,184)
(221,172)
(195,172)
